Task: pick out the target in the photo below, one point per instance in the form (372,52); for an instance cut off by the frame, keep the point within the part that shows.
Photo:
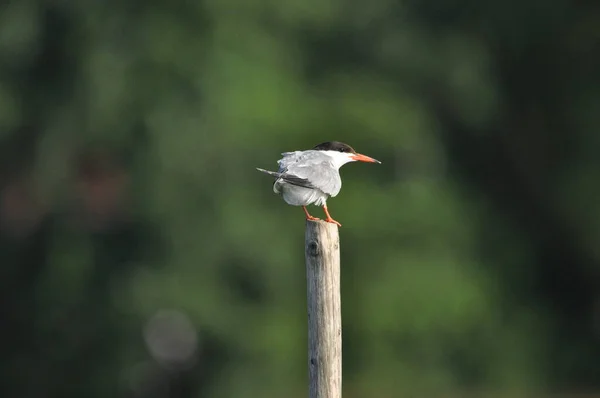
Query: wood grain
(322,252)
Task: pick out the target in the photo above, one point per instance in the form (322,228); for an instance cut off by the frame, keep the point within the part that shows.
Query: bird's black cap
(334,146)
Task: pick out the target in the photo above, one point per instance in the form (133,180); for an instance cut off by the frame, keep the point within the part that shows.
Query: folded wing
(311,168)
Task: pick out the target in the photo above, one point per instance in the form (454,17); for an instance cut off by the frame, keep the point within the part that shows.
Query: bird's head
(343,153)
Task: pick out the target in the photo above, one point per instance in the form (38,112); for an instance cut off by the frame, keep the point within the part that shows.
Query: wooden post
(322,251)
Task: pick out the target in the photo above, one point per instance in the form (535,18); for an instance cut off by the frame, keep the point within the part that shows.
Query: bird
(312,176)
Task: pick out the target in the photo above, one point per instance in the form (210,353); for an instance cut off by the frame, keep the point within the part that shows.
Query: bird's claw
(311,218)
(331,220)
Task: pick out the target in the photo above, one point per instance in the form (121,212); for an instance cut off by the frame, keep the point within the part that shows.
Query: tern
(313,176)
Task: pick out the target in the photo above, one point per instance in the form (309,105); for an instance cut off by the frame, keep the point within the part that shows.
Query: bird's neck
(338,159)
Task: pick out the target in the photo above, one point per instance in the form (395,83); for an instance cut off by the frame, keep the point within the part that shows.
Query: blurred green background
(142,255)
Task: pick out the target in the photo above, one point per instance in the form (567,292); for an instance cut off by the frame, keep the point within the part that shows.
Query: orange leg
(329,219)
(308,216)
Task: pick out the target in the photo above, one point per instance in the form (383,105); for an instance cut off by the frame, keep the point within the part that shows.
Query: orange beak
(364,158)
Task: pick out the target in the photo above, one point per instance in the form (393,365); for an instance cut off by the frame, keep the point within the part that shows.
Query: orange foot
(308,216)
(329,219)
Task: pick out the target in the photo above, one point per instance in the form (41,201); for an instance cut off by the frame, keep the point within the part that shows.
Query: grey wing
(313,167)
(288,159)
(289,178)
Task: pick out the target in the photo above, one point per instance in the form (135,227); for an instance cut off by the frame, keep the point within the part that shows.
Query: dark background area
(142,255)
